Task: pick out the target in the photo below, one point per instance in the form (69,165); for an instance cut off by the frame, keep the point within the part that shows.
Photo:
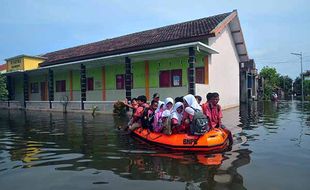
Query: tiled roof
(167,35)
(3,67)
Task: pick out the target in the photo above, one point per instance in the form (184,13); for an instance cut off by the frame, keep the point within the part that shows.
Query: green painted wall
(138,70)
(76,82)
(170,64)
(111,71)
(19,82)
(96,74)
(64,75)
(37,78)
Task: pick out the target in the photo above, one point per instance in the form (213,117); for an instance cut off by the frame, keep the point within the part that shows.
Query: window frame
(164,83)
(167,81)
(176,72)
(120,80)
(89,87)
(123,81)
(34,87)
(61,86)
(202,78)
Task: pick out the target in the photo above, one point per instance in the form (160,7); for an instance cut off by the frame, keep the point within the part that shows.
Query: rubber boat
(215,140)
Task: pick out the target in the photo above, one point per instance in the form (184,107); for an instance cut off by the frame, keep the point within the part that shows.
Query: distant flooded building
(249,81)
(2,68)
(196,57)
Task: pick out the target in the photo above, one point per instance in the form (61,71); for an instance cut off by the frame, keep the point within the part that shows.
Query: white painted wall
(224,69)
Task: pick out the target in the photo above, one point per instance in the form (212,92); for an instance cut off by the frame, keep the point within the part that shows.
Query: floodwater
(42,150)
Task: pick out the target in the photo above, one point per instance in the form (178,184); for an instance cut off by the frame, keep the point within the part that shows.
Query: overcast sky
(272,28)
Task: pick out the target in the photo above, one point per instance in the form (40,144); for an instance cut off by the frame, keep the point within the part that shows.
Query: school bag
(199,124)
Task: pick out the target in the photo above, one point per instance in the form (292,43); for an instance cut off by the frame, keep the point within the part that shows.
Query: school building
(197,57)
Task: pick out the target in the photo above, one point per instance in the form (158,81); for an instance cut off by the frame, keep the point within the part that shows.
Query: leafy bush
(119,108)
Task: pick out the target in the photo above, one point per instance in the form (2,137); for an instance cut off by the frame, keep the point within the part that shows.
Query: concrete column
(26,88)
(191,71)
(243,87)
(50,86)
(9,88)
(128,78)
(83,85)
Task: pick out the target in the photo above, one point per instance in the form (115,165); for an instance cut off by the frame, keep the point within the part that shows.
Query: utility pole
(301,75)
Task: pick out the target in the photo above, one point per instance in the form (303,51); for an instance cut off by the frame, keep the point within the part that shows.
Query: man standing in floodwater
(213,110)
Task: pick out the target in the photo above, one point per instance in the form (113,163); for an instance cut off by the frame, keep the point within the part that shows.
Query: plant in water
(119,108)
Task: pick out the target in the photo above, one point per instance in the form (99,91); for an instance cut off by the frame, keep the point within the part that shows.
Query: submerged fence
(100,106)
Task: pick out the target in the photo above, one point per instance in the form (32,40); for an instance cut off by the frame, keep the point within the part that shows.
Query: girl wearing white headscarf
(191,105)
(168,104)
(190,101)
(176,118)
(177,113)
(163,124)
(158,115)
(160,107)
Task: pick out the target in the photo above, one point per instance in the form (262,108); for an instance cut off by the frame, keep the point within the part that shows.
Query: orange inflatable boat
(216,140)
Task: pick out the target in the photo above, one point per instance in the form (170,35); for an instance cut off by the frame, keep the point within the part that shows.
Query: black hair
(142,98)
(215,95)
(156,95)
(178,99)
(153,102)
(198,98)
(133,99)
(209,96)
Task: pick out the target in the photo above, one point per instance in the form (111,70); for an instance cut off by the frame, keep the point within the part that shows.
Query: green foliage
(271,81)
(119,108)
(286,84)
(270,74)
(3,90)
(297,87)
(307,88)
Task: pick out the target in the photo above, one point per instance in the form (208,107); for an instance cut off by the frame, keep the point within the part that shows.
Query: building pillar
(147,80)
(128,78)
(191,73)
(50,84)
(104,96)
(83,85)
(9,88)
(26,88)
(243,87)
(206,69)
(71,85)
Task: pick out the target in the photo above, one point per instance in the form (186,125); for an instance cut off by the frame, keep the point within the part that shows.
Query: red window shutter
(164,79)
(63,86)
(120,81)
(200,75)
(90,84)
(176,77)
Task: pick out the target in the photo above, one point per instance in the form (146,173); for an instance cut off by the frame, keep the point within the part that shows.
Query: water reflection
(82,143)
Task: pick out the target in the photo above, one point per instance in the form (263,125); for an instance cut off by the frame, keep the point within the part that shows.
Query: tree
(3,90)
(271,81)
(285,83)
(297,87)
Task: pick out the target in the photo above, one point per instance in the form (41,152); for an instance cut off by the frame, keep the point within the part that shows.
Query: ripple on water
(57,134)
(100,182)
(137,151)
(113,157)
(84,160)
(271,126)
